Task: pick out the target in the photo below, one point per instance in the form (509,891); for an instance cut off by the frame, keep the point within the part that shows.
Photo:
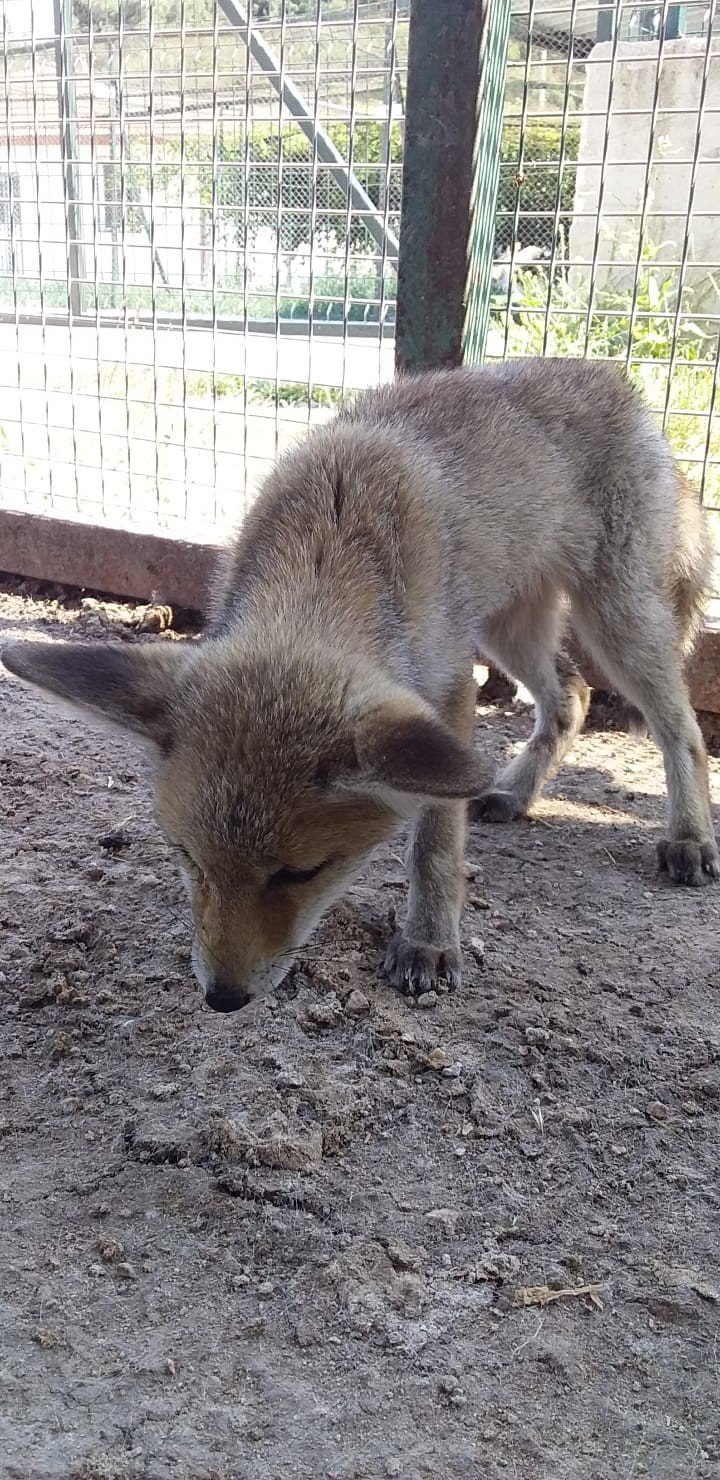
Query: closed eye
(297,875)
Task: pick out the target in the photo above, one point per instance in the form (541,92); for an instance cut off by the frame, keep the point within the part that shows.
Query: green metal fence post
(483,207)
(440,122)
(70,151)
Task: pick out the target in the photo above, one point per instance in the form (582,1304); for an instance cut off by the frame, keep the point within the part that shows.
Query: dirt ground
(337,1235)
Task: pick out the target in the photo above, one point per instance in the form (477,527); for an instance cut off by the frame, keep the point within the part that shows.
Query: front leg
(427,949)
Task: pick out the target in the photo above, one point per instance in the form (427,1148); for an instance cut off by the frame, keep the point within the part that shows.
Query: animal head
(277,777)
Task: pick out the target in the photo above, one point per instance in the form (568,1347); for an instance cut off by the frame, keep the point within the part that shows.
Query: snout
(221,996)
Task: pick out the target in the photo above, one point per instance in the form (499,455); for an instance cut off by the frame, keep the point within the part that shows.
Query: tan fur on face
(268,787)
(244,923)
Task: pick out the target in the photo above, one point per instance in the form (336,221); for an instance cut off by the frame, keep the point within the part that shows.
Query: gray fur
(333,697)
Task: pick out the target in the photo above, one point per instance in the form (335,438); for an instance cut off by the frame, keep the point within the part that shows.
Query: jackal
(332,699)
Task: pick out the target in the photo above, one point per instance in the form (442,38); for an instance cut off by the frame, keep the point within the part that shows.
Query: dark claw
(689,862)
(415,968)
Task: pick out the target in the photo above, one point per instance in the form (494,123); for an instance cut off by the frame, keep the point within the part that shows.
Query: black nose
(221,997)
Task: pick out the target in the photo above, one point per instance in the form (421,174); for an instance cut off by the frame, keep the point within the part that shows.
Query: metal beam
(483,209)
(605,20)
(70,151)
(295,104)
(440,124)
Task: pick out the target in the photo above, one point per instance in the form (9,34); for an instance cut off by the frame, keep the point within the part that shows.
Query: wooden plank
(119,562)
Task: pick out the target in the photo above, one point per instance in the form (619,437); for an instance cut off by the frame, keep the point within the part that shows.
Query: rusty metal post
(440,123)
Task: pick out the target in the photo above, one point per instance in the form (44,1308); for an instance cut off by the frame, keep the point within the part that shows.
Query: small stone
(170,1367)
(357,1003)
(110,1249)
(427,999)
(266,1289)
(477,946)
(305,1335)
(393,1467)
(446,1218)
(409,1295)
(114,841)
(322,1015)
(46,1338)
(126,1270)
(289,1079)
(164,1091)
(449,1389)
(656,1110)
(60,1046)
(437,1059)
(290,1149)
(537,1037)
(453,1071)
(556,1277)
(403,1257)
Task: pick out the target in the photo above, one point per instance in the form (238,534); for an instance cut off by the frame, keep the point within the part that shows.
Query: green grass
(282,393)
(644,340)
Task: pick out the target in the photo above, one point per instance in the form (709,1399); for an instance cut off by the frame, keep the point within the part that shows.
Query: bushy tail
(691,574)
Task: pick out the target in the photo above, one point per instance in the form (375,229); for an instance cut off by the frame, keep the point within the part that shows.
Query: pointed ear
(404,746)
(130,687)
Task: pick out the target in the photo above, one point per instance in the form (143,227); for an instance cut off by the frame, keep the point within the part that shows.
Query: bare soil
(337,1235)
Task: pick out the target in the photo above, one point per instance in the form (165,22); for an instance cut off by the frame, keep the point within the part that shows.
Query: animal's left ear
(403,745)
(131,687)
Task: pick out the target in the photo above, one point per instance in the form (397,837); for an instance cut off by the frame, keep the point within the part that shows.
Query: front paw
(689,862)
(495,806)
(415,967)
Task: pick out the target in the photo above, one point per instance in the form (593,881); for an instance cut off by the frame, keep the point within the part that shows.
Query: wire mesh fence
(606,239)
(199,218)
(199,207)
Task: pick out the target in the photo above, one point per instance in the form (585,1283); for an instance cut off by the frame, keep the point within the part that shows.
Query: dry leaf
(542,1295)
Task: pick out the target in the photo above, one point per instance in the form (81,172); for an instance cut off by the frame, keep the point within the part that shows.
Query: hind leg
(639,646)
(525,643)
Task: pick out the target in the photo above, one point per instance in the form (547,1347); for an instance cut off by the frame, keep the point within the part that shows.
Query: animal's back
(586,411)
(467,487)
(550,465)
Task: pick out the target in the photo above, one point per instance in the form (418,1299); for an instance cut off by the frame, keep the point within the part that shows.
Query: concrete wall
(675,136)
